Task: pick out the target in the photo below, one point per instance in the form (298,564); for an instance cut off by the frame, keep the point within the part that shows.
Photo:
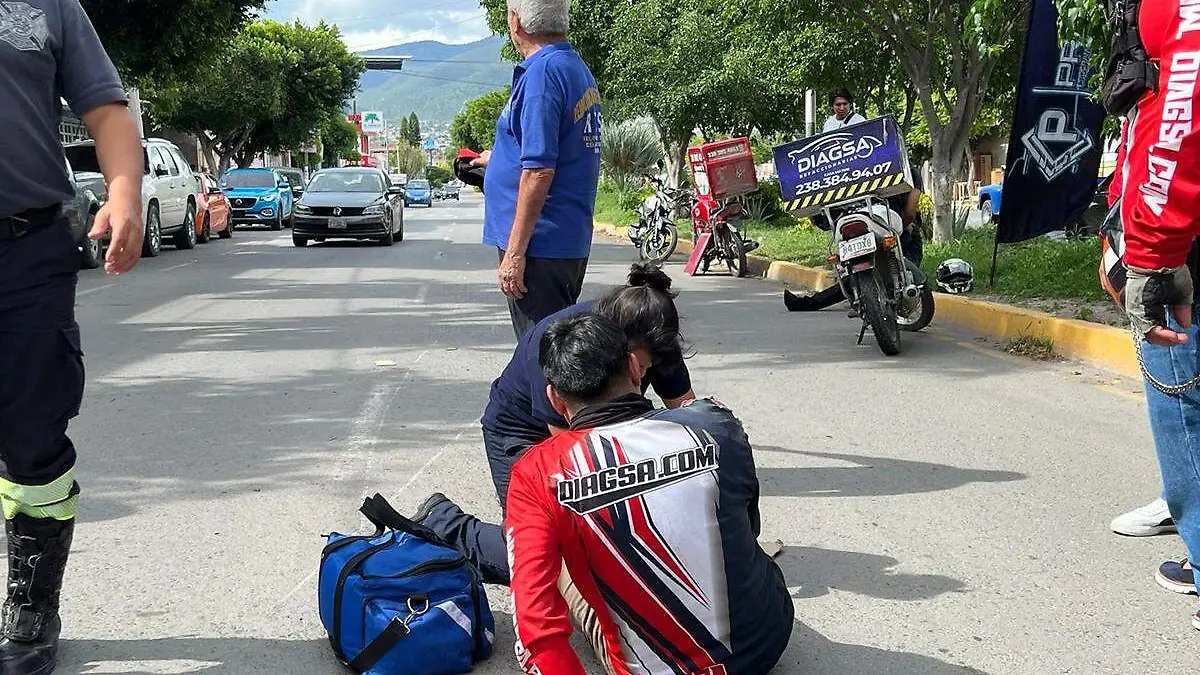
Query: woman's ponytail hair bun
(649,275)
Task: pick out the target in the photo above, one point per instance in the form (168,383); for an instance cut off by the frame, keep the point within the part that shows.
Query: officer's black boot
(37,557)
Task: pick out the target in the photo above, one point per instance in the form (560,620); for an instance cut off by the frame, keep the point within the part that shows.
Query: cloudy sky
(371,24)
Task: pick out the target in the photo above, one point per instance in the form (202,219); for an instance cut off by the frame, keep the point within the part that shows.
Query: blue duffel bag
(401,601)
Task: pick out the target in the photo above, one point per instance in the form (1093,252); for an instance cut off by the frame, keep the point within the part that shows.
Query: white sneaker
(1147,521)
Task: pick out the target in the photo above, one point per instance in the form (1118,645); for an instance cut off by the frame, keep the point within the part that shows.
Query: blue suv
(259,197)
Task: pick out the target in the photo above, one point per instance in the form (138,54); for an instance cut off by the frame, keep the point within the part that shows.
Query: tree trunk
(225,160)
(210,154)
(941,175)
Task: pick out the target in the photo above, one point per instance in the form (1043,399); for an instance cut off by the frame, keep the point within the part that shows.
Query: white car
(169,191)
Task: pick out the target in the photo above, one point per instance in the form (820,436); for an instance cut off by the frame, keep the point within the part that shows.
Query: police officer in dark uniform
(49,52)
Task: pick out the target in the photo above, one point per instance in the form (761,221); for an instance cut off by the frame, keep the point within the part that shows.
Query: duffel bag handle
(384,516)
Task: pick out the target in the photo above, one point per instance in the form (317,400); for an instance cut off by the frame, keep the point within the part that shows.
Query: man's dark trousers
(551,284)
(482,543)
(41,371)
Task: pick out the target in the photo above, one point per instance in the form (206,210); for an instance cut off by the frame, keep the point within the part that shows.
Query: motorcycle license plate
(337,224)
(856,247)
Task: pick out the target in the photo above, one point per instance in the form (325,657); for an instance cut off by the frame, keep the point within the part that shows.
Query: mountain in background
(438,81)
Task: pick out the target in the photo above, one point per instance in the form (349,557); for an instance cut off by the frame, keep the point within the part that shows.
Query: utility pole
(810,112)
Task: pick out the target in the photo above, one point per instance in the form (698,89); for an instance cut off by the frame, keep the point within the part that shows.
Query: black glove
(1149,294)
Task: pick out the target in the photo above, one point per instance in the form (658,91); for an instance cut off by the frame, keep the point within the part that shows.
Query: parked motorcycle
(888,291)
(655,234)
(722,220)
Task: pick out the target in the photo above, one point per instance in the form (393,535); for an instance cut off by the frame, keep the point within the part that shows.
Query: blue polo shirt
(552,120)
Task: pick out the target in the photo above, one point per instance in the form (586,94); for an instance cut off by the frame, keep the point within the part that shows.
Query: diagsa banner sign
(867,158)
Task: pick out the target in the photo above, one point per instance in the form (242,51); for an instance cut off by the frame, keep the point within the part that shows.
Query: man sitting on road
(638,524)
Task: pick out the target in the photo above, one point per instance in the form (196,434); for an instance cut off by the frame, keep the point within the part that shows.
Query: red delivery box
(723,169)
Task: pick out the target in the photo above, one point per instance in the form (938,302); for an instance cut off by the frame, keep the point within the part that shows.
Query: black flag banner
(1050,176)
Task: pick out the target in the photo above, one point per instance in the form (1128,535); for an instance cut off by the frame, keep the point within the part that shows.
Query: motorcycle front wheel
(878,313)
(659,243)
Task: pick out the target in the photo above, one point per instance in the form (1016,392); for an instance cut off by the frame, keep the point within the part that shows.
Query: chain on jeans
(1168,389)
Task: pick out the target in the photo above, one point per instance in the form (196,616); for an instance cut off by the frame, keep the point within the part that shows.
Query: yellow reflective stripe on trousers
(57,499)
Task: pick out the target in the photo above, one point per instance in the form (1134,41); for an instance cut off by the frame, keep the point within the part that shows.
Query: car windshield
(346,181)
(248,179)
(83,158)
(419,184)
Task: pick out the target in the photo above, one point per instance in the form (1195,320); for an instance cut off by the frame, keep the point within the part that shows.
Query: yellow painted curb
(1102,345)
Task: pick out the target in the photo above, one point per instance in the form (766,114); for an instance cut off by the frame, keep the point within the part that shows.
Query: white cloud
(372,24)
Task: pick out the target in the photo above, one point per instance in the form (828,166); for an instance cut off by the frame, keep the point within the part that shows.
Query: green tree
(461,136)
(166,38)
(339,139)
(410,160)
(475,126)
(402,133)
(414,130)
(949,51)
(321,76)
(290,79)
(222,117)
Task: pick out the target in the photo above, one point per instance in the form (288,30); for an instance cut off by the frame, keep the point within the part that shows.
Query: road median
(1101,345)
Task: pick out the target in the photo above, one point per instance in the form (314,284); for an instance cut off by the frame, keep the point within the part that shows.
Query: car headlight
(270,198)
(300,208)
(376,210)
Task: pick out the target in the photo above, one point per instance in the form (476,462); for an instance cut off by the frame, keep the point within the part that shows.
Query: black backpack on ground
(1130,73)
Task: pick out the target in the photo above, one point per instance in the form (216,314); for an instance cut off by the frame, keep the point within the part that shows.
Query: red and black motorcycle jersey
(656,519)
(1160,160)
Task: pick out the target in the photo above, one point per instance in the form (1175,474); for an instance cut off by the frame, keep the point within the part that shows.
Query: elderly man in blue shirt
(542,173)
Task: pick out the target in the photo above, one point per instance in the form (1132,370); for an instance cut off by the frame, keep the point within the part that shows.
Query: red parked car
(212,210)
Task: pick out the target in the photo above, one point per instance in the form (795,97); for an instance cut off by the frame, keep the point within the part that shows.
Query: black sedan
(350,203)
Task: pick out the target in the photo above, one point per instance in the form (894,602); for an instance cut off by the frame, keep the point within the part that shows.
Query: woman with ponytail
(519,414)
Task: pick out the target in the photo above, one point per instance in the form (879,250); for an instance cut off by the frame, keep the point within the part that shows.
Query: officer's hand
(122,219)
(482,159)
(1148,293)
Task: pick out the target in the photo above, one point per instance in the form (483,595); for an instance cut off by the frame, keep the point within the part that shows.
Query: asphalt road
(943,512)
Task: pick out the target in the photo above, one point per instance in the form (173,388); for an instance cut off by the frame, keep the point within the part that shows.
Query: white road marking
(422,293)
(403,489)
(93,290)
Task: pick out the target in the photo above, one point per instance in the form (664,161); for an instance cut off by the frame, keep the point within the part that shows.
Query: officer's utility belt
(21,224)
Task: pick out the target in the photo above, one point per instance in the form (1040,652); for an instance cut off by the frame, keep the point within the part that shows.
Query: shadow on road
(818,570)
(868,477)
(809,653)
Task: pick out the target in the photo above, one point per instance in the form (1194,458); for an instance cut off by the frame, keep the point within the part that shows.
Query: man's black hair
(583,356)
(645,310)
(841,93)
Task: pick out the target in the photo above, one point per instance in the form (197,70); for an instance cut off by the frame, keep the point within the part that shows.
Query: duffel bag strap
(391,636)
(383,515)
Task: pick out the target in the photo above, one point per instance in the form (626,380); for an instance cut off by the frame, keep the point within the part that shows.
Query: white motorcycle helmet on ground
(955,276)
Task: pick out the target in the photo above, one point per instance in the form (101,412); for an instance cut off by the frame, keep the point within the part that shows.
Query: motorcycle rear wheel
(734,250)
(659,243)
(924,317)
(880,315)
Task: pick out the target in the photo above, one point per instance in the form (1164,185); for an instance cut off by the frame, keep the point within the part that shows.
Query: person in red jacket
(1160,213)
(639,525)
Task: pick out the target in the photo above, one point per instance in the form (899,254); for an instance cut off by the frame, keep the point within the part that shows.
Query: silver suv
(168,191)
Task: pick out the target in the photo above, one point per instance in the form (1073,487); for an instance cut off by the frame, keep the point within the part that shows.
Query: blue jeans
(1175,423)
